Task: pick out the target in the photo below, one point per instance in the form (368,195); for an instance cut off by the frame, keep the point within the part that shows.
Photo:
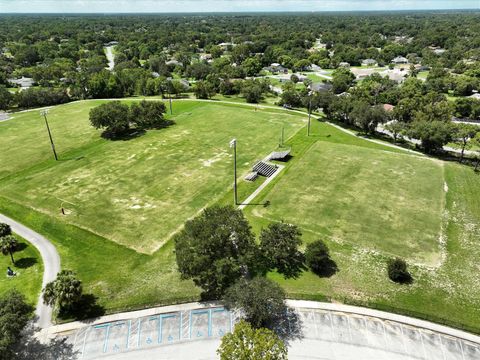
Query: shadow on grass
(24,263)
(124,136)
(29,347)
(85,309)
(21,246)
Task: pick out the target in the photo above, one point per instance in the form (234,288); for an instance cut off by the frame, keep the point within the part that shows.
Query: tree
(8,245)
(6,98)
(398,272)
(246,343)
(342,79)
(204,90)
(433,134)
(252,66)
(14,316)
(148,114)
(317,258)
(367,117)
(463,134)
(279,244)
(261,300)
(395,128)
(5,230)
(64,291)
(253,90)
(476,142)
(112,116)
(215,249)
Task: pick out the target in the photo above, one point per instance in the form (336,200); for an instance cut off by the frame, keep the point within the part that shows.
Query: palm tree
(64,291)
(5,230)
(8,245)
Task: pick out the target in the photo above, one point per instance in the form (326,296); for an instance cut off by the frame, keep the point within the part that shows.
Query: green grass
(364,197)
(29,269)
(445,290)
(147,186)
(368,201)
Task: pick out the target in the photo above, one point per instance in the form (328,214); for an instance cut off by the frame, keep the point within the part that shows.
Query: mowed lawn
(371,198)
(29,269)
(136,192)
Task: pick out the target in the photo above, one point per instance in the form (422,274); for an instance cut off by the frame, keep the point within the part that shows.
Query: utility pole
(44,113)
(233,144)
(170,96)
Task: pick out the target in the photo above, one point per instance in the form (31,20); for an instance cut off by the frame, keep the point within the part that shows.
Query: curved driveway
(51,264)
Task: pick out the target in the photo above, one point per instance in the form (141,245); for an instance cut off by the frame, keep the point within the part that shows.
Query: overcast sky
(103,6)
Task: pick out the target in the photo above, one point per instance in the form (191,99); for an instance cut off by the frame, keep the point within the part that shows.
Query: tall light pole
(233,144)
(309,112)
(44,114)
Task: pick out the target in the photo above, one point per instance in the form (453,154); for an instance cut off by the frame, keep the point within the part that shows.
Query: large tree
(64,291)
(112,116)
(148,114)
(6,98)
(215,249)
(279,245)
(463,134)
(261,300)
(342,79)
(246,343)
(14,315)
(8,245)
(433,134)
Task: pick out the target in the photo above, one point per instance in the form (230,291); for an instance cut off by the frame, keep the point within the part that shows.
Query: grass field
(138,192)
(365,197)
(29,269)
(368,201)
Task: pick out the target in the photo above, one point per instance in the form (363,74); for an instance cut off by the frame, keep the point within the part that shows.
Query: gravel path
(51,264)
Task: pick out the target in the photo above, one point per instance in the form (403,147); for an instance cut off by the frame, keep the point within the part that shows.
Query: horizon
(227,6)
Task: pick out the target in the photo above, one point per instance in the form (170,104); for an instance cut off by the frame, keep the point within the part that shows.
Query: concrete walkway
(51,265)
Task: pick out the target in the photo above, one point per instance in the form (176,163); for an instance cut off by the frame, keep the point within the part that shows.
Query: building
(23,82)
(400,60)
(369,62)
(320,87)
(388,107)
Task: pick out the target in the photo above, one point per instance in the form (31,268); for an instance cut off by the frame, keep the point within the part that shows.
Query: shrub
(398,272)
(317,258)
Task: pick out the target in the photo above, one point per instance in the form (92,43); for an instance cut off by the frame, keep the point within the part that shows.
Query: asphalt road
(51,265)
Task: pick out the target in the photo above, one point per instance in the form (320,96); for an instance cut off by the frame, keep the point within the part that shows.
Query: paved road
(51,264)
(323,331)
(110,57)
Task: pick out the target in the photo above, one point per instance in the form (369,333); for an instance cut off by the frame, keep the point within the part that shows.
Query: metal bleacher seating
(264,169)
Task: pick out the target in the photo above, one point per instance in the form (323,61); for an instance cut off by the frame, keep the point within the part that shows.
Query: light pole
(44,113)
(233,144)
(309,112)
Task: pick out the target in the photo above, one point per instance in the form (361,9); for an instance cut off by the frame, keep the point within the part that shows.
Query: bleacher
(264,169)
(251,176)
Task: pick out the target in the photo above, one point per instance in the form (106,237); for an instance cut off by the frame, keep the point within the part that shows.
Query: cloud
(165,6)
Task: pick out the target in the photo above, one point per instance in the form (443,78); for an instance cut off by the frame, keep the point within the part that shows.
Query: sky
(162,6)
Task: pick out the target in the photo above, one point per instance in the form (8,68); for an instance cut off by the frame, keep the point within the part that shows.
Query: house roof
(319,86)
(388,107)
